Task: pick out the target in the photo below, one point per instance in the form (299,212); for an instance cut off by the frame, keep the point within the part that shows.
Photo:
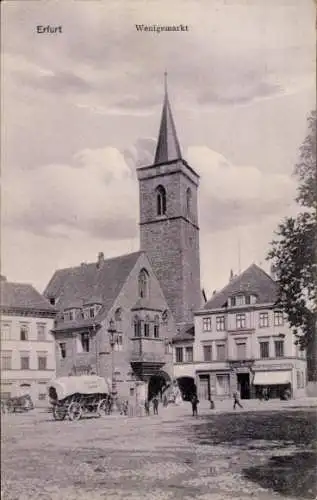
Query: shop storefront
(276,384)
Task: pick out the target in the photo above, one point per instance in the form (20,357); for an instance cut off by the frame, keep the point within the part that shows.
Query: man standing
(195,405)
(155,405)
(236,400)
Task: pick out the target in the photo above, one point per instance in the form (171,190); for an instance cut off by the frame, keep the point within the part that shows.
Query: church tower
(169,231)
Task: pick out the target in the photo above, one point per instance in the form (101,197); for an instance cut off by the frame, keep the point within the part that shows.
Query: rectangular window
(264,350)
(233,301)
(220,323)
(42,362)
(278,318)
(168,347)
(24,330)
(207,324)
(91,312)
(207,349)
(85,342)
(298,379)
(221,352)
(240,300)
(263,319)
(189,354)
(40,331)
(62,348)
(25,362)
(247,299)
(6,360)
(240,321)
(119,343)
(222,384)
(42,396)
(241,350)
(146,330)
(179,354)
(5,330)
(279,348)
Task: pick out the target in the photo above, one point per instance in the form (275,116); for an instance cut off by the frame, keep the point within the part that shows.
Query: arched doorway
(157,384)
(187,387)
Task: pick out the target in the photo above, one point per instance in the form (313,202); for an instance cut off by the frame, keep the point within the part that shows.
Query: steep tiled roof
(103,281)
(186,332)
(23,296)
(253,280)
(168,147)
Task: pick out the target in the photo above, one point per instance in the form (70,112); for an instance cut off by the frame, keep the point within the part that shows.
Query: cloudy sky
(81,110)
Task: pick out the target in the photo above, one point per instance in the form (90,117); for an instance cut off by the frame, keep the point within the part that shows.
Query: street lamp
(112,340)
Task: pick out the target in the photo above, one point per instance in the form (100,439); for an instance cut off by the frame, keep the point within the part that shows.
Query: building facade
(242,343)
(27,343)
(113,321)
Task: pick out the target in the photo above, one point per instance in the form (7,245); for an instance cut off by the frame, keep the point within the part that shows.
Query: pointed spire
(167,148)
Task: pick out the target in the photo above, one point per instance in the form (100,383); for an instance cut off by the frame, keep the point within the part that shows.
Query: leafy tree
(294,250)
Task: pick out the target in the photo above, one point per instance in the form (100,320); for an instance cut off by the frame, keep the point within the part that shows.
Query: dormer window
(240,300)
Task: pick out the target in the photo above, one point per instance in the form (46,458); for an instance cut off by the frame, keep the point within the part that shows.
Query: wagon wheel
(59,412)
(74,411)
(102,408)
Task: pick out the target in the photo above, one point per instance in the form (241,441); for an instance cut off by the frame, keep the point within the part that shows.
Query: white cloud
(96,193)
(231,194)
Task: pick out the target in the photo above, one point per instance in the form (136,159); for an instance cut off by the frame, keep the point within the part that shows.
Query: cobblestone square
(261,453)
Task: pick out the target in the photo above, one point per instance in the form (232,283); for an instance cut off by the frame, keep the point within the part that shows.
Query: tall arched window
(137,326)
(118,319)
(147,327)
(160,200)
(188,202)
(143,283)
(165,317)
(156,327)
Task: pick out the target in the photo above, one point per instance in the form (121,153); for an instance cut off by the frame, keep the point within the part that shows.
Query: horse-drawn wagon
(17,404)
(75,396)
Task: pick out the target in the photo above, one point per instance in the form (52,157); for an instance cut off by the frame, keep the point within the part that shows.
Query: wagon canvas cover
(84,384)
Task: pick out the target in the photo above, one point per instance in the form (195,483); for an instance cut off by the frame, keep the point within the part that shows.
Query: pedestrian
(236,400)
(195,402)
(155,405)
(212,403)
(147,407)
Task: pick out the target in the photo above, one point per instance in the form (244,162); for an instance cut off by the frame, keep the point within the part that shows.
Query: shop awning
(279,377)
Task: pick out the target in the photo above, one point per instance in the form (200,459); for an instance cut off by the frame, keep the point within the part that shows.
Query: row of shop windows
(241,321)
(185,354)
(6,361)
(24,331)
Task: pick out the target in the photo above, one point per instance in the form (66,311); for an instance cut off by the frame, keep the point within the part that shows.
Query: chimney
(231,275)
(100,260)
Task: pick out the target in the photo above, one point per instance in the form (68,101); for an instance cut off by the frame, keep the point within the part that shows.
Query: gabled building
(117,299)
(242,342)
(27,343)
